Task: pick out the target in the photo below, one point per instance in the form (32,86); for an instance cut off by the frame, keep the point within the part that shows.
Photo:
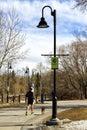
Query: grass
(74,114)
(7,105)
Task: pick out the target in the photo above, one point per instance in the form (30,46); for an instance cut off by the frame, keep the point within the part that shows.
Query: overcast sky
(40,41)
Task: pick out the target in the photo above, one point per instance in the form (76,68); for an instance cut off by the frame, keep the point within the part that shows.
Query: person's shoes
(32,112)
(26,113)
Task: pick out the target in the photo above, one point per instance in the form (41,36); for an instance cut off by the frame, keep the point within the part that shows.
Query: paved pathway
(15,119)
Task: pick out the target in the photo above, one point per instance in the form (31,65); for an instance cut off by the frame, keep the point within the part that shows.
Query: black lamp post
(43,24)
(27,72)
(8,82)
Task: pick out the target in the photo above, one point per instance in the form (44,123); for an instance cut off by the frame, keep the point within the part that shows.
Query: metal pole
(27,72)
(28,75)
(54,92)
(8,85)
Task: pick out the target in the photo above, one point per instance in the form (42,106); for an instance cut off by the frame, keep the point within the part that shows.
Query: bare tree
(75,66)
(82,4)
(11,37)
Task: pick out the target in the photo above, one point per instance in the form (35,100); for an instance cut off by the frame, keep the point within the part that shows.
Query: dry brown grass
(74,114)
(7,105)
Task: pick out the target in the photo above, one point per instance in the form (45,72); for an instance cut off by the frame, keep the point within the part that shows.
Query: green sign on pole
(54,62)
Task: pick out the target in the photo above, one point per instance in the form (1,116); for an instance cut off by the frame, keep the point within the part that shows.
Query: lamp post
(8,82)
(27,72)
(43,24)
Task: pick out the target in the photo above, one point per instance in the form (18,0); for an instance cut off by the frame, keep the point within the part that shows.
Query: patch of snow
(75,125)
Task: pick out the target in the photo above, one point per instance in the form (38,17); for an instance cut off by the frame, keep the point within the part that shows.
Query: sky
(40,41)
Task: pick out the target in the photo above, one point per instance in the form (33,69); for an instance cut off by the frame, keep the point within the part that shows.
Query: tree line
(71,75)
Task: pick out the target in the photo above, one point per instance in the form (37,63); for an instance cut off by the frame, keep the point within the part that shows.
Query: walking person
(30,101)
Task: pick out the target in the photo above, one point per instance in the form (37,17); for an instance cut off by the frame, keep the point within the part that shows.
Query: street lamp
(43,24)
(8,82)
(27,72)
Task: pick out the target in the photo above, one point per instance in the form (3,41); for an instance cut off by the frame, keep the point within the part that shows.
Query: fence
(12,98)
